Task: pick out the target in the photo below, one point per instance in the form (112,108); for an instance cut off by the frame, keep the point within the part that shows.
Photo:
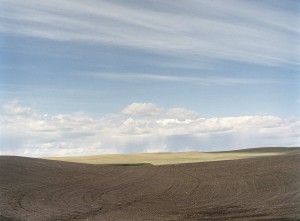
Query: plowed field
(265,188)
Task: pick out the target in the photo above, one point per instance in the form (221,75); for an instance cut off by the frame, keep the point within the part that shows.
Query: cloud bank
(139,127)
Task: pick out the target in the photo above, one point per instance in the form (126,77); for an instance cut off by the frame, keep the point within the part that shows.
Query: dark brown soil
(266,188)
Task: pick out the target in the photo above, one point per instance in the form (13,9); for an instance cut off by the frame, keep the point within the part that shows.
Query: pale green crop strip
(172,158)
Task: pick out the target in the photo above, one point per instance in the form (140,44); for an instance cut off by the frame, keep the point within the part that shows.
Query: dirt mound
(266,188)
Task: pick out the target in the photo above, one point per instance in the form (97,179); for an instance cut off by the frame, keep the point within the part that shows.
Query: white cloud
(38,134)
(14,108)
(235,30)
(142,109)
(181,114)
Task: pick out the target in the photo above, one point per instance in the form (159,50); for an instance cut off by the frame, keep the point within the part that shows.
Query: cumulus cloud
(142,109)
(26,132)
(14,108)
(181,114)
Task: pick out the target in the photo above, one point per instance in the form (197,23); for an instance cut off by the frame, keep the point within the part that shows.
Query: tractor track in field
(264,188)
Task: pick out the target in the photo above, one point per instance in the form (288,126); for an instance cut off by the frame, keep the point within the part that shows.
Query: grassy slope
(175,158)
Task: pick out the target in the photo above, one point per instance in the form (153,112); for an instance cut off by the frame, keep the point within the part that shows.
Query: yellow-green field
(176,158)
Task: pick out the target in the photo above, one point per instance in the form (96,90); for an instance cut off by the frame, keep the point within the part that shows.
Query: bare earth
(264,188)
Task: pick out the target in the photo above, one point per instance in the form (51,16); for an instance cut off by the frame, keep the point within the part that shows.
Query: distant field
(179,157)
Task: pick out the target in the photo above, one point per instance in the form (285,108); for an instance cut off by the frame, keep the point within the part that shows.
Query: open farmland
(256,188)
(178,157)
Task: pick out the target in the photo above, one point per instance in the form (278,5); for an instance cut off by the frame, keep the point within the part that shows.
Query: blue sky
(219,59)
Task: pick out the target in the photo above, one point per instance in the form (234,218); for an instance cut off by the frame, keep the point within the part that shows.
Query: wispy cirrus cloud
(207,80)
(148,127)
(232,30)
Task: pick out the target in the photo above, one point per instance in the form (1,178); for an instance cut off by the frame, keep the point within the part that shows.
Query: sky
(100,77)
